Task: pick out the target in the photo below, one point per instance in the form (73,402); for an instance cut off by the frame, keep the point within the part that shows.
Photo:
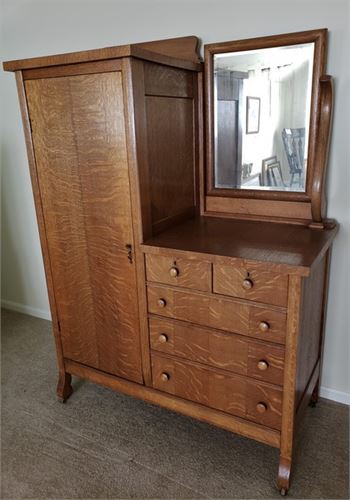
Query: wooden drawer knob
(161,302)
(174,272)
(263,365)
(163,338)
(264,326)
(261,407)
(247,284)
(164,377)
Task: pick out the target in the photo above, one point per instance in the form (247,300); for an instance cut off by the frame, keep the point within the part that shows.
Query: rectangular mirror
(260,104)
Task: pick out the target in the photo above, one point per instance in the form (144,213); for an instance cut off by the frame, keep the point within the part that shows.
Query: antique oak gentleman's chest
(182,223)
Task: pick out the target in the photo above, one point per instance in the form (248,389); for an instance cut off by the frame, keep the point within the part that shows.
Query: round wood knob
(263,365)
(261,407)
(263,326)
(247,284)
(174,272)
(164,377)
(163,338)
(161,302)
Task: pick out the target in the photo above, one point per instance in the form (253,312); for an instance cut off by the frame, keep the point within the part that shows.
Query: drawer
(217,312)
(218,349)
(252,283)
(232,394)
(185,273)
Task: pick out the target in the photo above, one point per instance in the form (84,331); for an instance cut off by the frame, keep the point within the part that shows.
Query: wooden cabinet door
(81,159)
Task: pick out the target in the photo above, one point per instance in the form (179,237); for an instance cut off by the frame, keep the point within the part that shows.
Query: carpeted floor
(105,445)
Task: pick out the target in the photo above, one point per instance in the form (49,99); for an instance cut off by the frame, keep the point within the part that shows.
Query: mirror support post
(318,202)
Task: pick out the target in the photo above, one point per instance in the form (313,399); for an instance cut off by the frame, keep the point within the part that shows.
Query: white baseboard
(325,392)
(339,396)
(22,308)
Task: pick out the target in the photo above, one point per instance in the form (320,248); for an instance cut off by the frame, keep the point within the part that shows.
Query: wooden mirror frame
(306,207)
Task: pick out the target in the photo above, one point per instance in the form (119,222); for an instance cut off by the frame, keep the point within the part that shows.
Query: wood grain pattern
(170,123)
(219,390)
(79,141)
(63,381)
(179,52)
(191,273)
(217,349)
(292,210)
(73,69)
(133,97)
(216,312)
(268,287)
(295,248)
(310,327)
(289,384)
(166,81)
(215,417)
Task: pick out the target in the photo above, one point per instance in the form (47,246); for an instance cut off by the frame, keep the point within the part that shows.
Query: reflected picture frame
(253,115)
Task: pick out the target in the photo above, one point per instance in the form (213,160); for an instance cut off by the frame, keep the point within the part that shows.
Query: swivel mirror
(263,108)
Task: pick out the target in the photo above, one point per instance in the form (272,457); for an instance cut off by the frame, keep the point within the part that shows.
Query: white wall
(33,28)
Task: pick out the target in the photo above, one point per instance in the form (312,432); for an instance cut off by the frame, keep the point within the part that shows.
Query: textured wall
(32,28)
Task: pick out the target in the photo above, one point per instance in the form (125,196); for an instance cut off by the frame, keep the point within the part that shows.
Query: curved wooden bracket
(318,203)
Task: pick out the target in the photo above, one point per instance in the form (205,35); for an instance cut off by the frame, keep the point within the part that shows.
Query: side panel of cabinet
(78,134)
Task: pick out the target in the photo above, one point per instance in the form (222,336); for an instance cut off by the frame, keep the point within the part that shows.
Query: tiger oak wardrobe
(203,299)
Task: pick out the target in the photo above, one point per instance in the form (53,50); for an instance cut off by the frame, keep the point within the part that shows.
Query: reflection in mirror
(261,117)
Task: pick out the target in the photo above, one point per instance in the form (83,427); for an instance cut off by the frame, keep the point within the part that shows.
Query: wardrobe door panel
(81,157)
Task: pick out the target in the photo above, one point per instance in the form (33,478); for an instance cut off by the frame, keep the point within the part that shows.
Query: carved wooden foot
(283,479)
(315,394)
(64,387)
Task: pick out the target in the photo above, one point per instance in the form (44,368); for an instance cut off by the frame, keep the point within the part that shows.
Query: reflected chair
(294,145)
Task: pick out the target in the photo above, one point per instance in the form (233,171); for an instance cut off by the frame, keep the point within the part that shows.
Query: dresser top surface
(285,244)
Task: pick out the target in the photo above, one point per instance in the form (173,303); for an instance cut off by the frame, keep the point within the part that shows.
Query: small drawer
(254,283)
(217,312)
(180,272)
(232,394)
(218,349)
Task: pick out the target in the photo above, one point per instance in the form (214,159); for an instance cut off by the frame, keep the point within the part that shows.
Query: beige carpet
(105,445)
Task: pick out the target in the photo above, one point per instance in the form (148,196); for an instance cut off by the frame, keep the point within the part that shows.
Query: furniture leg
(283,479)
(64,387)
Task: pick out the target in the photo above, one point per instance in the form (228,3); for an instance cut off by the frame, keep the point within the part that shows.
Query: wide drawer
(232,394)
(253,282)
(218,349)
(175,271)
(218,312)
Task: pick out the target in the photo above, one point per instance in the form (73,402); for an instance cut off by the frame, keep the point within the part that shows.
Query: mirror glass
(261,117)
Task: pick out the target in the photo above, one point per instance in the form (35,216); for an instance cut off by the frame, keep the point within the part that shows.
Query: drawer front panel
(232,394)
(205,310)
(185,273)
(215,312)
(251,283)
(221,350)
